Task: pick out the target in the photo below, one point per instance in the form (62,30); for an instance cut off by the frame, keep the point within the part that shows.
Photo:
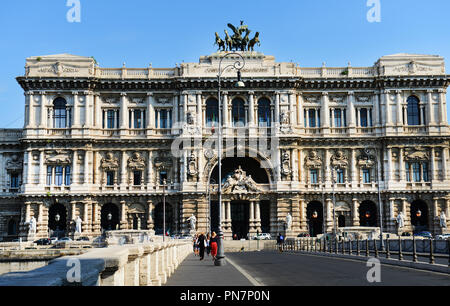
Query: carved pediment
(312,99)
(163,162)
(110,162)
(416,154)
(366,160)
(14,164)
(58,158)
(111,99)
(239,182)
(136,209)
(136,162)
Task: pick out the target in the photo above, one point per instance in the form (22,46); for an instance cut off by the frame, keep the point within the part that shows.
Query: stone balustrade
(149,264)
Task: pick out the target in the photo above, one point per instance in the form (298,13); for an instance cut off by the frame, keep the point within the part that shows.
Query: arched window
(212,112)
(413,111)
(238,112)
(60,114)
(264,116)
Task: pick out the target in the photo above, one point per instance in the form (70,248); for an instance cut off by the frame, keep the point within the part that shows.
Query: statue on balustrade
(32,226)
(443,220)
(400,220)
(78,223)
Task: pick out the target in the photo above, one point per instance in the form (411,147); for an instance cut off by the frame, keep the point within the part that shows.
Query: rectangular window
(110,178)
(364,121)
(164,119)
(408,174)
(337,118)
(312,118)
(340,176)
(14,181)
(426,177)
(49,175)
(366,176)
(416,172)
(162,177)
(110,119)
(313,176)
(67,176)
(137,178)
(58,175)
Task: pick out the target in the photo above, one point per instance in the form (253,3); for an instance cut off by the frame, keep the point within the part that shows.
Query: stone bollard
(400,254)
(132,274)
(145,266)
(431,252)
(155,266)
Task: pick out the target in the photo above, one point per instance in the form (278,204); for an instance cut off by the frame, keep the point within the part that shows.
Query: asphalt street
(290,269)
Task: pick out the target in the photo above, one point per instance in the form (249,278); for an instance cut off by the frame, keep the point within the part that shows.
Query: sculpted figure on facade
(192,222)
(14,164)
(286,164)
(32,226)
(192,165)
(240,182)
(416,154)
(400,220)
(339,160)
(288,221)
(58,158)
(110,162)
(78,223)
(136,162)
(313,160)
(366,160)
(443,220)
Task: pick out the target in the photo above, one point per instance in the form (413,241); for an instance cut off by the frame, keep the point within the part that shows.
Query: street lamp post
(380,204)
(209,203)
(238,65)
(333,181)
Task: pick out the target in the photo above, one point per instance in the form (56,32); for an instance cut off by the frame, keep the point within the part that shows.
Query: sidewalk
(193,272)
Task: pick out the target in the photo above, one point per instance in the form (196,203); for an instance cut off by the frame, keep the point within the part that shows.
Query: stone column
(123,215)
(75,170)
(76,110)
(300,110)
(199,109)
(150,224)
(445,163)
(325,112)
(389,168)
(355,178)
(326,166)
(329,217)
(224,109)
(228,217)
(123,170)
(388,111)
(399,108)
(447,209)
(355,212)
(123,111)
(251,110)
(277,107)
(443,107)
(86,167)
(43,114)
(351,110)
(31,110)
(258,216)
(430,108)
(376,109)
(86,220)
(29,167)
(303,215)
(42,168)
(432,164)
(292,111)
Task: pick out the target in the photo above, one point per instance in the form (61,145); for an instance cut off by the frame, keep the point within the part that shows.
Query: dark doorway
(314,212)
(341,221)
(368,214)
(240,218)
(419,216)
(264,207)
(57,220)
(110,217)
(12,227)
(159,219)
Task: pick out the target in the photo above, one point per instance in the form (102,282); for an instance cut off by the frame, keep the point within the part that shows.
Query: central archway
(240,219)
(249,165)
(314,212)
(419,216)
(57,220)
(110,217)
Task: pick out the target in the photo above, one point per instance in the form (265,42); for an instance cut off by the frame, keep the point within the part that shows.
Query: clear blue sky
(164,33)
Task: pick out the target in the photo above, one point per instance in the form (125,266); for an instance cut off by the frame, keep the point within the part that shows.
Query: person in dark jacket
(202,245)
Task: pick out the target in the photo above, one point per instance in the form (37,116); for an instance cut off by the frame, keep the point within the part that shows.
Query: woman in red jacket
(213,245)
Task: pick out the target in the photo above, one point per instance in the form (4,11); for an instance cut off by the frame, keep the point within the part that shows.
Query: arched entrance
(240,218)
(137,217)
(110,217)
(57,220)
(159,219)
(368,214)
(249,165)
(419,216)
(314,212)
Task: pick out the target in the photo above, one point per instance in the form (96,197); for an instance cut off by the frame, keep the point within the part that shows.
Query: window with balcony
(212,112)
(137,119)
(238,112)
(417,172)
(340,119)
(163,119)
(264,113)
(413,111)
(61,114)
(340,178)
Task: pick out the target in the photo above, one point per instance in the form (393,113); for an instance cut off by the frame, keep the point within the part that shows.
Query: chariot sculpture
(239,40)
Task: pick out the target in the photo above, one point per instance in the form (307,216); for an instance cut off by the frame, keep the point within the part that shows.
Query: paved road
(288,269)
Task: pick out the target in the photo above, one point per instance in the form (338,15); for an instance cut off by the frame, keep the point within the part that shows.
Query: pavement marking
(243,272)
(393,265)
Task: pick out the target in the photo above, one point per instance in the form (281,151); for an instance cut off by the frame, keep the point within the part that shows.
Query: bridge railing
(400,249)
(129,265)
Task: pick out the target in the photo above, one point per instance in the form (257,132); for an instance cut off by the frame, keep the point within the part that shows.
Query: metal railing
(429,250)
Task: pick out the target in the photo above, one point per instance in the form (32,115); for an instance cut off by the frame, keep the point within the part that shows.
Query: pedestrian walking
(201,245)
(213,244)
(208,246)
(280,242)
(196,245)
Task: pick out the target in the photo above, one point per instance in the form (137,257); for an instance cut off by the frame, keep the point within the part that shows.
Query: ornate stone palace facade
(97,143)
